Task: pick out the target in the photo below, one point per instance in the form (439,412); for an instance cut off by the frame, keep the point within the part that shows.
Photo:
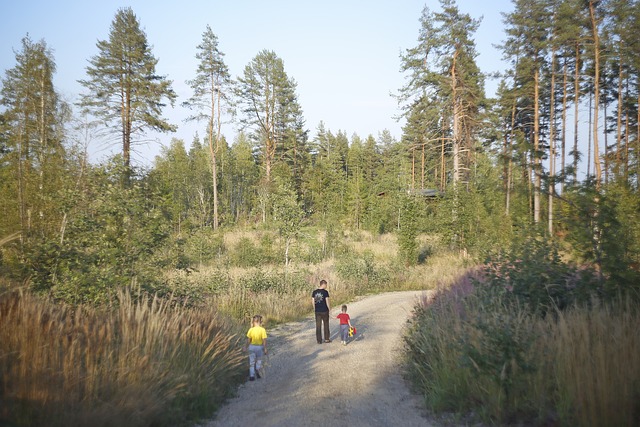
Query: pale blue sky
(343,54)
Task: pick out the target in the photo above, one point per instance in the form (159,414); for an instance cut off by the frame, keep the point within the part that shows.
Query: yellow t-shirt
(257,334)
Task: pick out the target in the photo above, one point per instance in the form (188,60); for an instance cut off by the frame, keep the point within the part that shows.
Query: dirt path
(330,384)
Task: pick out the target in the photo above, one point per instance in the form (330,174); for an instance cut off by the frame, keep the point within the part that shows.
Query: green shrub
(203,246)
(362,271)
(497,346)
(260,280)
(424,253)
(532,273)
(192,289)
(246,254)
(408,233)
(604,230)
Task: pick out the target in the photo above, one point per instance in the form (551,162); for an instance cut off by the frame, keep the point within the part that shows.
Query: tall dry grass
(145,363)
(286,299)
(384,247)
(597,360)
(580,367)
(438,271)
(240,296)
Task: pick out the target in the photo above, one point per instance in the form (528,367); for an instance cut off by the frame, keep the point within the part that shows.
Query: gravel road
(310,384)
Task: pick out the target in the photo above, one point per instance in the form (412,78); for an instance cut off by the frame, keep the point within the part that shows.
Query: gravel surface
(310,384)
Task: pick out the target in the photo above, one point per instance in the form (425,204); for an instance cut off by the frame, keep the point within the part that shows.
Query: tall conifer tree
(269,104)
(211,88)
(444,80)
(33,133)
(270,108)
(123,88)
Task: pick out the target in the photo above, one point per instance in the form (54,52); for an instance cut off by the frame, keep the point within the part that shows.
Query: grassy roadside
(480,347)
(138,365)
(173,360)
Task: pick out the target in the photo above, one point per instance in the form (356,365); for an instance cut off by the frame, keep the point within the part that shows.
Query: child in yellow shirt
(257,346)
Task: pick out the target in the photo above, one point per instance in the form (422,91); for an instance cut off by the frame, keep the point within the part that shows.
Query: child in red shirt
(345,324)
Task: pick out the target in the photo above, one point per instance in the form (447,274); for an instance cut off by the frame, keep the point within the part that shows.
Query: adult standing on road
(321,306)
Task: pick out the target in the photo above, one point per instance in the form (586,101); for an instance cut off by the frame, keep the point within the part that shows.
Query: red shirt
(344,318)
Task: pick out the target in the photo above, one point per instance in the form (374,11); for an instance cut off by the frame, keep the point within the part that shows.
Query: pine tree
(596,22)
(445,82)
(269,104)
(623,62)
(211,88)
(528,27)
(326,180)
(173,177)
(123,88)
(32,135)
(357,184)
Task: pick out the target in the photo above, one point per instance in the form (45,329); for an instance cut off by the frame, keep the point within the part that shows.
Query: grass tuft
(134,365)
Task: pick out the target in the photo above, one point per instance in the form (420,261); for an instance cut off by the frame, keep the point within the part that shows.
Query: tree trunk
(22,198)
(214,176)
(565,94)
(443,171)
(576,101)
(270,142)
(589,139)
(286,253)
(422,168)
(509,156)
(552,142)
(537,178)
(596,90)
(126,135)
(637,140)
(213,149)
(413,168)
(126,109)
(605,155)
(637,136)
(456,123)
(616,168)
(42,153)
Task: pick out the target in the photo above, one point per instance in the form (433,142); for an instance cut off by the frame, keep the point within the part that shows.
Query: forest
(530,199)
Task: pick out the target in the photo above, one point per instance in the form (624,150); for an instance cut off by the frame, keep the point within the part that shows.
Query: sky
(343,54)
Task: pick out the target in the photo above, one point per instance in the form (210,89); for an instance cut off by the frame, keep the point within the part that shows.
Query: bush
(532,273)
(260,281)
(203,246)
(246,254)
(362,271)
(193,289)
(278,296)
